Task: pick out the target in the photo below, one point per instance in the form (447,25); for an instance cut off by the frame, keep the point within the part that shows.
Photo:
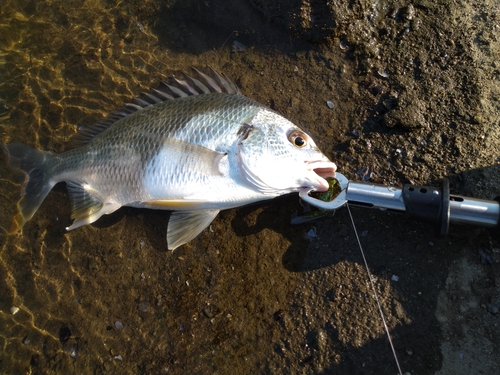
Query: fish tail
(37,183)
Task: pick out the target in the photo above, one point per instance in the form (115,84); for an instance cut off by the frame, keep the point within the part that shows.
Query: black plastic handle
(427,203)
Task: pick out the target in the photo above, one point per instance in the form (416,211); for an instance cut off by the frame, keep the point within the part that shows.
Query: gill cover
(268,161)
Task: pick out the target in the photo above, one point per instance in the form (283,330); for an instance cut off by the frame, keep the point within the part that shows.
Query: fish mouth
(322,170)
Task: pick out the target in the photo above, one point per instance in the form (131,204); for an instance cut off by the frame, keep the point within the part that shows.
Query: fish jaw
(318,172)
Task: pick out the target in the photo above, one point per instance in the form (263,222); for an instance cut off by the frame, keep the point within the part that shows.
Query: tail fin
(37,182)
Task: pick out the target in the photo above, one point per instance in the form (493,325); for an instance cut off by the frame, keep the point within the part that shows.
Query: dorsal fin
(186,85)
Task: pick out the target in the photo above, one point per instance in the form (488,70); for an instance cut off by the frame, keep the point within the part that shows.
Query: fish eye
(298,139)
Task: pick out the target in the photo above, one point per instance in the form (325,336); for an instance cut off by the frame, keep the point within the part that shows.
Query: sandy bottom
(415,89)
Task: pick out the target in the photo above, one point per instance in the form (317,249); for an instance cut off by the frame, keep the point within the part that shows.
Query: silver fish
(195,146)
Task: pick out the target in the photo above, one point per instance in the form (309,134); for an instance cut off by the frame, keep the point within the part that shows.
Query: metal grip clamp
(434,205)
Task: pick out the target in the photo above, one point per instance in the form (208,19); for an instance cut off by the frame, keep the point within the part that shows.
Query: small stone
(383,74)
(494,309)
(118,325)
(355,133)
(143,306)
(312,234)
(118,357)
(330,104)
(395,278)
(73,351)
(14,310)
(485,257)
(208,313)
(238,47)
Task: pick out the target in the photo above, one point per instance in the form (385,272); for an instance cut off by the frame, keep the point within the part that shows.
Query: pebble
(14,310)
(330,104)
(395,278)
(494,309)
(208,313)
(118,357)
(118,325)
(238,47)
(73,351)
(355,133)
(485,257)
(409,12)
(383,74)
(140,26)
(376,89)
(389,103)
(312,233)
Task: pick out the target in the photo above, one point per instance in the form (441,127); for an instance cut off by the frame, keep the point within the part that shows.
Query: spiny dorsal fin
(186,85)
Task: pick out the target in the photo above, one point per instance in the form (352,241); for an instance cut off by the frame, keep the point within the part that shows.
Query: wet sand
(416,91)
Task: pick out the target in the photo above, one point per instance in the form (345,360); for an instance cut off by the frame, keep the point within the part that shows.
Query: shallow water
(253,294)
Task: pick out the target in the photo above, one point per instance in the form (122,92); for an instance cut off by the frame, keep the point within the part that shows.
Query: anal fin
(186,225)
(85,208)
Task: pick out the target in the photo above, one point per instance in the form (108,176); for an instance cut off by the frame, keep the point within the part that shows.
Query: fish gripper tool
(434,205)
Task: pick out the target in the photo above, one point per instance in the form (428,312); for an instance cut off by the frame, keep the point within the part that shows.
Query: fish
(195,145)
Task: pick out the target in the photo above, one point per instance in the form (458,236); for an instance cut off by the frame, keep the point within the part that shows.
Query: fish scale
(197,147)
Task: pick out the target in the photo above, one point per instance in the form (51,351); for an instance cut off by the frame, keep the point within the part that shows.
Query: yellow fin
(175,203)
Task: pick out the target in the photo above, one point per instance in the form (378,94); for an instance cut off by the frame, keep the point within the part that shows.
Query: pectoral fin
(186,225)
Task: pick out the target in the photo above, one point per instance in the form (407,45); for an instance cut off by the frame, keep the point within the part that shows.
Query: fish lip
(323,170)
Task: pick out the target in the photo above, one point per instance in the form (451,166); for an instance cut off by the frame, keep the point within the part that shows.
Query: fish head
(277,157)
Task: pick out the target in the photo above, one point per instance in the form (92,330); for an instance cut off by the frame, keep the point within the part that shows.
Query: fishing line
(374,291)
